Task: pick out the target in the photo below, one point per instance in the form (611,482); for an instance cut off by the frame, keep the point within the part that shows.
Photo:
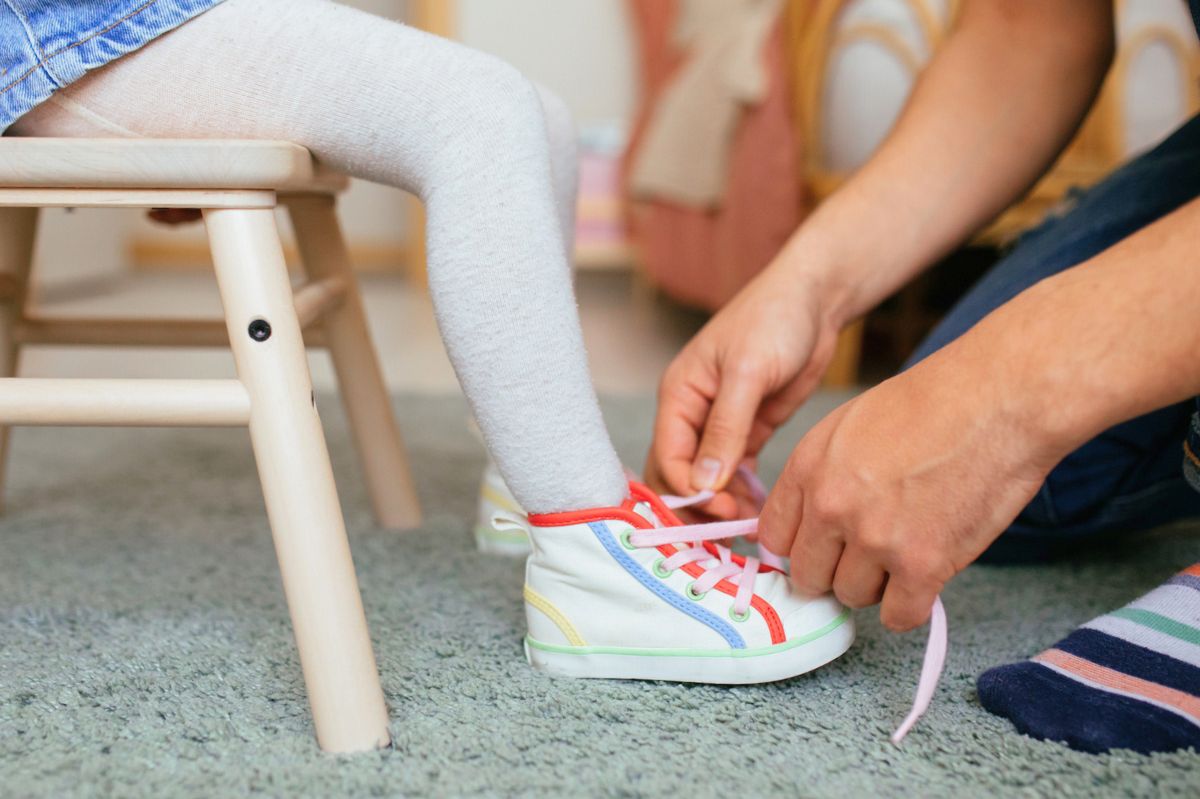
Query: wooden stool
(237,184)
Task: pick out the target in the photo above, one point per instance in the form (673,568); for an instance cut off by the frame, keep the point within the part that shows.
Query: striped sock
(1127,680)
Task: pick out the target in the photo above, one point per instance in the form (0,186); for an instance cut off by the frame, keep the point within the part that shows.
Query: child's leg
(494,494)
(463,130)
(564,163)
(469,134)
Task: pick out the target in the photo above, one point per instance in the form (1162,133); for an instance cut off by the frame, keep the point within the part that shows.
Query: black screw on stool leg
(260,330)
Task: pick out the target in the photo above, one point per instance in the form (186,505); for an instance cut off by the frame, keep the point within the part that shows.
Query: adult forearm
(990,113)
(1108,340)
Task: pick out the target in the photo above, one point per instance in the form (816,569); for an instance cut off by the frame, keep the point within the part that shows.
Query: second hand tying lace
(743,577)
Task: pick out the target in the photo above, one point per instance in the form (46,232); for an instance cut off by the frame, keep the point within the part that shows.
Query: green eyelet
(733,615)
(691,594)
(625,542)
(659,570)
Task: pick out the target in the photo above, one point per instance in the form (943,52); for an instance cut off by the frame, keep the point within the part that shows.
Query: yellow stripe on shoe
(555,615)
(496,498)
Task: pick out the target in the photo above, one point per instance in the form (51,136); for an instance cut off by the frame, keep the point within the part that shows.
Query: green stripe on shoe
(1162,624)
(694,653)
(505,536)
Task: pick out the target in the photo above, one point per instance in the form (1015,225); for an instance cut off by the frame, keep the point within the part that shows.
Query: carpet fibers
(145,650)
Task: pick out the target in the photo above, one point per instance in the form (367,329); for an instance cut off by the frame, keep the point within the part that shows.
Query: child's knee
(560,124)
(488,106)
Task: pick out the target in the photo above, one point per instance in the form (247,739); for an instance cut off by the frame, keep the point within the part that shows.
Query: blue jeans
(1131,477)
(46,44)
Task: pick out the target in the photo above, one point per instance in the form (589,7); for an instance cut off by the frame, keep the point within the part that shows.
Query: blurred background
(708,129)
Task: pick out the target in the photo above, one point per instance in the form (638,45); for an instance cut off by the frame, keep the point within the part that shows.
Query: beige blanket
(684,156)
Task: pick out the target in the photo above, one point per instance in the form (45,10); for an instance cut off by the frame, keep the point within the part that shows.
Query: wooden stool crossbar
(237,185)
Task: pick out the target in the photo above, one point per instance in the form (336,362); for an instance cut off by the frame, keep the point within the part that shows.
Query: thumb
(726,430)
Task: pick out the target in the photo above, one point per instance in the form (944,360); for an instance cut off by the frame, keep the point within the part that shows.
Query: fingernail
(705,473)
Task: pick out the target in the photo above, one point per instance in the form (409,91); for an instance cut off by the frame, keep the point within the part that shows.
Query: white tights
(490,156)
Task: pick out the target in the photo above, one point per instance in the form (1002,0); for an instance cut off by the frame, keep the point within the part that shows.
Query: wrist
(812,264)
(1043,386)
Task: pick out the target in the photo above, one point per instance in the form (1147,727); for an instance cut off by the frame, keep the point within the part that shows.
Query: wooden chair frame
(237,185)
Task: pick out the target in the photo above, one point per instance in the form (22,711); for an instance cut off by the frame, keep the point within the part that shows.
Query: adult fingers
(782,512)
(723,442)
(859,580)
(814,553)
(723,506)
(816,544)
(779,407)
(651,476)
(677,424)
(815,558)
(907,603)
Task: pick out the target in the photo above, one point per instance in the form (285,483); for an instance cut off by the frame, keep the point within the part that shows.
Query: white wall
(581,49)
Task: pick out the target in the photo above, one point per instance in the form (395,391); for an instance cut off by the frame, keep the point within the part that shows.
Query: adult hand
(740,378)
(902,487)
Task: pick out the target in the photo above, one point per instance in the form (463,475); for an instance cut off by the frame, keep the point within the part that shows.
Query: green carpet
(145,650)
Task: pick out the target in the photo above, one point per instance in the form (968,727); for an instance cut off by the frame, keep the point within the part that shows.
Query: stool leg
(297,480)
(18,229)
(380,445)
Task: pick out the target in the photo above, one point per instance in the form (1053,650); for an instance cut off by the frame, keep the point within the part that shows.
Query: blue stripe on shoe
(680,603)
(1045,704)
(1120,655)
(1189,580)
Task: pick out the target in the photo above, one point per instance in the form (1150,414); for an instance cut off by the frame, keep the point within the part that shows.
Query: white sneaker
(618,592)
(495,498)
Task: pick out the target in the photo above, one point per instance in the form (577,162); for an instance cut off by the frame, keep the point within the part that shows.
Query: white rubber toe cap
(809,616)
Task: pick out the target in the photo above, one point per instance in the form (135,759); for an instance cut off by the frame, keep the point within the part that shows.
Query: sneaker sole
(724,667)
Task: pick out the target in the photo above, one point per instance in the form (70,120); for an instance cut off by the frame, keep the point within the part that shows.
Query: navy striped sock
(1127,680)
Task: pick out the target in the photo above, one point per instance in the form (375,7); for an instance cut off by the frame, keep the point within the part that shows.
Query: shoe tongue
(644,510)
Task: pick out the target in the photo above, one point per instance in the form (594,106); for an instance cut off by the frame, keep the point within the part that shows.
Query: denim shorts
(47,44)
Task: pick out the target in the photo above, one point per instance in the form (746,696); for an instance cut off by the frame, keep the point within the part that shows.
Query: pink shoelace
(743,577)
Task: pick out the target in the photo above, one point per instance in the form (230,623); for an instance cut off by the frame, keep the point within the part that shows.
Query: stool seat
(226,164)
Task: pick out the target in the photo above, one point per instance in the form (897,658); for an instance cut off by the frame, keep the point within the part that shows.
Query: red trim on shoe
(625,513)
